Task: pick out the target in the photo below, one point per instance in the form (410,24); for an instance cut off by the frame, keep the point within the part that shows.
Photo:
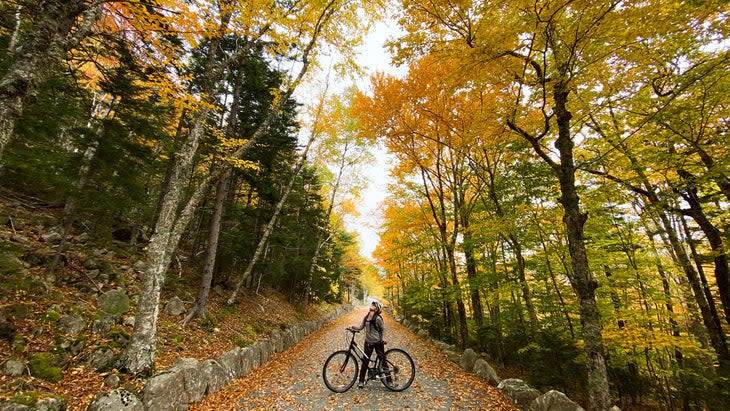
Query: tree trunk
(705,304)
(714,237)
(524,285)
(201,301)
(582,280)
(711,322)
(471,273)
(138,358)
(69,209)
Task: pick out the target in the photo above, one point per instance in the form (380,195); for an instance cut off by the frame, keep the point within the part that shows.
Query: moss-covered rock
(45,366)
(114,302)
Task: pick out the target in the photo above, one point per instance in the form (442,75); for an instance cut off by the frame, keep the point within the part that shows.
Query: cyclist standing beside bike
(373,321)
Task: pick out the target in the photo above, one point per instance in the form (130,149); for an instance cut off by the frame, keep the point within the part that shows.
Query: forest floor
(28,305)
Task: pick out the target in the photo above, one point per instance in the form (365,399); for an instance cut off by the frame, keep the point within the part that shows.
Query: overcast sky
(375,58)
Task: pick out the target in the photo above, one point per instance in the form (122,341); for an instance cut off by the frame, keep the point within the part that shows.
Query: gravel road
(292,380)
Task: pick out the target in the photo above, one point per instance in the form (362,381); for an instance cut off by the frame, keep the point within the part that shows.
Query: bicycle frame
(358,352)
(395,369)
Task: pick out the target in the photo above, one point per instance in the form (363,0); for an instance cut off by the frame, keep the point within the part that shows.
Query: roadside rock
(14,368)
(468,358)
(117,400)
(486,372)
(175,306)
(521,394)
(554,401)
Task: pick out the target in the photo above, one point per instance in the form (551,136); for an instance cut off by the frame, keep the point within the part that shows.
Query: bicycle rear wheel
(399,370)
(340,371)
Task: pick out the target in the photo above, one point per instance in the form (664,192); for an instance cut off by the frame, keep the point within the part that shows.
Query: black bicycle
(396,369)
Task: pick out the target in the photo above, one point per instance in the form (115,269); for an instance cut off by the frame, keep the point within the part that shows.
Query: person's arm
(356,328)
(381,327)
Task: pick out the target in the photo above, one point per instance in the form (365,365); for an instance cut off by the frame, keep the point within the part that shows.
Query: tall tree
(295,31)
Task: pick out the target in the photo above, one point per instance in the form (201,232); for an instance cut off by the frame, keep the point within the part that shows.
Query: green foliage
(553,362)
(52,316)
(207,323)
(28,398)
(701,388)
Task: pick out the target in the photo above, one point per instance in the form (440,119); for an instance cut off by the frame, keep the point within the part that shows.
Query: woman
(373,337)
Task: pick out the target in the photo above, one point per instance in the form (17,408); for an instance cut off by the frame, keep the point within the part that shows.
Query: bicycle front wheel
(340,371)
(399,370)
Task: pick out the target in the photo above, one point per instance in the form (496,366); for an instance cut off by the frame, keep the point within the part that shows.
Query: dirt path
(292,380)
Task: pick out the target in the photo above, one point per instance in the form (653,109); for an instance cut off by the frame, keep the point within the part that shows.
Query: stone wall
(189,380)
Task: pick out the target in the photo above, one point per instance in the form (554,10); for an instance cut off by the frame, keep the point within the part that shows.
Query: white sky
(374,57)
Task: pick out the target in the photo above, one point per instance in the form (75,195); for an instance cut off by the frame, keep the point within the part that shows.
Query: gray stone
(453,356)
(50,404)
(214,374)
(519,392)
(52,238)
(112,381)
(100,359)
(103,325)
(114,302)
(276,341)
(265,351)
(486,372)
(93,263)
(255,355)
(554,401)
(287,338)
(467,359)
(82,238)
(247,361)
(14,367)
(139,266)
(231,361)
(72,324)
(175,306)
(117,400)
(423,333)
(195,380)
(165,391)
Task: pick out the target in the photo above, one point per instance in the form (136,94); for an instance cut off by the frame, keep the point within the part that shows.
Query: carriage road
(292,380)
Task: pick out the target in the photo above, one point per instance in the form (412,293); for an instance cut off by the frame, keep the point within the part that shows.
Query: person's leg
(380,350)
(365,361)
